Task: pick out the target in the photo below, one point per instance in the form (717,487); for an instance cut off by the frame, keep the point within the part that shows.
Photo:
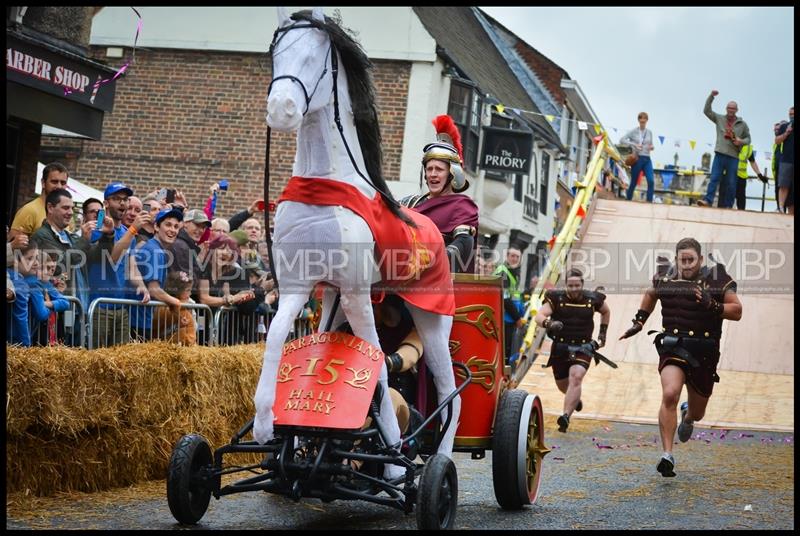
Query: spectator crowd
(127,251)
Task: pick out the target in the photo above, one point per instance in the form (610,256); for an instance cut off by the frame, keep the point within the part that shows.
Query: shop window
(545,176)
(465,108)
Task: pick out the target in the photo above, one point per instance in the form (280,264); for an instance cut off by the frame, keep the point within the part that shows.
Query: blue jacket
(39,310)
(17,326)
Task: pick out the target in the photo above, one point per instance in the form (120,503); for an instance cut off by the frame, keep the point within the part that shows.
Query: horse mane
(358,69)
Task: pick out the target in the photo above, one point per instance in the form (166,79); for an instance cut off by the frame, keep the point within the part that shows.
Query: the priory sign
(505,150)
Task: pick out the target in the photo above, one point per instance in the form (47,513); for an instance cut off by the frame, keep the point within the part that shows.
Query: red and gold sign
(326,380)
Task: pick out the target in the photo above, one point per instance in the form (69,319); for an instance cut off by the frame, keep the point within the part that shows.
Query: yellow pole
(566,237)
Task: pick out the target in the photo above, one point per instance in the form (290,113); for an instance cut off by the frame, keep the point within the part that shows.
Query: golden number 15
(334,374)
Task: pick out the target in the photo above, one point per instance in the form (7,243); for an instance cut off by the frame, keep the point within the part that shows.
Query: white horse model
(304,94)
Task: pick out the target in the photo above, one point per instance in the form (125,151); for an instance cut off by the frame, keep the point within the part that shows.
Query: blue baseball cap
(169,213)
(115,187)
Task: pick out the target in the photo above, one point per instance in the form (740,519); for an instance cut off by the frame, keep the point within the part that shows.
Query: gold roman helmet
(448,149)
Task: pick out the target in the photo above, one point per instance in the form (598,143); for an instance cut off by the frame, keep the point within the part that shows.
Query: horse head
(301,51)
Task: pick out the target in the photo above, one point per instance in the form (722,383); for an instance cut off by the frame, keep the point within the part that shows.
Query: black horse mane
(358,68)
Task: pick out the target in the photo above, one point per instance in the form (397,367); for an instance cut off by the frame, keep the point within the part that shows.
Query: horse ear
(283,16)
(317,14)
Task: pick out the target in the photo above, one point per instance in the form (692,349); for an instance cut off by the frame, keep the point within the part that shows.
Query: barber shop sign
(508,151)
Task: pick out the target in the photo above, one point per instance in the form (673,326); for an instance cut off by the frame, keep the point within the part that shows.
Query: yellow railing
(558,253)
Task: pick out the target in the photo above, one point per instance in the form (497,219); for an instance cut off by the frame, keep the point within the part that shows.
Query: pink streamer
(121,70)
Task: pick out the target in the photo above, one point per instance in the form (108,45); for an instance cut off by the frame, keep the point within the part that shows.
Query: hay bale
(64,390)
(88,420)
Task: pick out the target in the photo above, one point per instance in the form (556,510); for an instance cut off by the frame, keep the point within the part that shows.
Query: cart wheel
(438,494)
(188,499)
(518,449)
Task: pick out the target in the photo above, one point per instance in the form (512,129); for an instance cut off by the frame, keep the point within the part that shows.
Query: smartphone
(101,215)
(170,196)
(260,205)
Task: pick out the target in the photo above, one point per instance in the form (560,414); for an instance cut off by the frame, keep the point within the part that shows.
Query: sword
(600,357)
(590,349)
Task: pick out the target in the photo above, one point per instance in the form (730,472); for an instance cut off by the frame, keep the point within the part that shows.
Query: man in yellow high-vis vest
(746,154)
(513,307)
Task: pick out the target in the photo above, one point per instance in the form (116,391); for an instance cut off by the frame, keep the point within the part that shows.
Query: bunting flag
(501,108)
(552,241)
(581,213)
(666,178)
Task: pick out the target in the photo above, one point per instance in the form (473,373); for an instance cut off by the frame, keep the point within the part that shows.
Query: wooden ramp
(756,368)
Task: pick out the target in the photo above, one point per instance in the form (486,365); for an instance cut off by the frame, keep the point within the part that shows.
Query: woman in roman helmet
(455,214)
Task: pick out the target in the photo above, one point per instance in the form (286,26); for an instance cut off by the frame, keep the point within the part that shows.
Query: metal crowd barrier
(74,322)
(691,196)
(233,327)
(125,322)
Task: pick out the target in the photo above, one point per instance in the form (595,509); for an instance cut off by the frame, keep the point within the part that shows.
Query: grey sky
(666,61)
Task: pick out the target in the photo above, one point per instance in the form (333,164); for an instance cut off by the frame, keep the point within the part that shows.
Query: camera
(166,195)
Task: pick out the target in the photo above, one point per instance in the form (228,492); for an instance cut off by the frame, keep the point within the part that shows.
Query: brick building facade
(185,119)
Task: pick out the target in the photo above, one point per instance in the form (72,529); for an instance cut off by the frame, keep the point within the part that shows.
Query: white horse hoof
(263,429)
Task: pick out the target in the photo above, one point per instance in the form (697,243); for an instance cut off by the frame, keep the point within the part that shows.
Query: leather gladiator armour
(681,311)
(691,335)
(577,315)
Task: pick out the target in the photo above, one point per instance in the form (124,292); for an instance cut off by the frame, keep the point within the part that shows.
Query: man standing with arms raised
(732,134)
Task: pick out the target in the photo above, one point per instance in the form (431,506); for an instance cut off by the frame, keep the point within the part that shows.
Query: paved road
(585,485)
